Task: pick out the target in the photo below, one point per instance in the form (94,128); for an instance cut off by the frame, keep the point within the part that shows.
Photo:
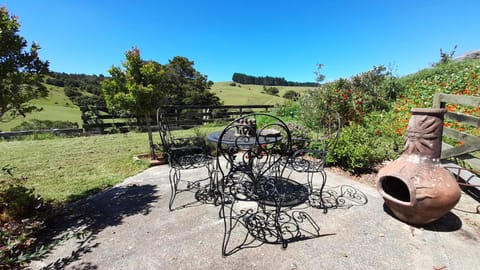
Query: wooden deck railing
(467,166)
(471,143)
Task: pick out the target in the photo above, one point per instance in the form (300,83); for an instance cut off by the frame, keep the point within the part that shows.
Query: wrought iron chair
(312,160)
(254,191)
(185,154)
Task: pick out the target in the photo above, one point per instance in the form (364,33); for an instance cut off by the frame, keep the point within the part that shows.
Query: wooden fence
(179,116)
(56,131)
(462,153)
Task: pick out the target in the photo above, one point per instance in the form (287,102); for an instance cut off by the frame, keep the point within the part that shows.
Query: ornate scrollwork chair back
(253,147)
(183,154)
(312,160)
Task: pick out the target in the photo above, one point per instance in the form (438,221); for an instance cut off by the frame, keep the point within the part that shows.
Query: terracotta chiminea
(416,187)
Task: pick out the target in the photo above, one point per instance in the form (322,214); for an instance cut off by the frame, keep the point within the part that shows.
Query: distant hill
(66,93)
(469,55)
(238,94)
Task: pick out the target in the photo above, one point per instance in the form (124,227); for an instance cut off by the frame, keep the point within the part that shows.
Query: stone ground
(130,227)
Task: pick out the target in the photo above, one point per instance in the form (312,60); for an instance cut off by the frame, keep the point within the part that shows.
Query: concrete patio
(129,227)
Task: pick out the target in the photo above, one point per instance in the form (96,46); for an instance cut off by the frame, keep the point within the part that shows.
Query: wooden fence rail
(179,116)
(471,143)
(56,131)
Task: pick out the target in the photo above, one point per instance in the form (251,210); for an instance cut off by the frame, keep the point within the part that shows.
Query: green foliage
(455,77)
(20,220)
(36,124)
(380,134)
(21,71)
(300,136)
(143,86)
(83,90)
(369,91)
(358,149)
(288,111)
(459,78)
(268,80)
(271,90)
(292,95)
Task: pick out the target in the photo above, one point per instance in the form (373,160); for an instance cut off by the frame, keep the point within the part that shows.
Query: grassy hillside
(56,107)
(251,94)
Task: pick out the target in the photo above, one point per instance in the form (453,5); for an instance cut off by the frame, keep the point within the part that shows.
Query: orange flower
(460,143)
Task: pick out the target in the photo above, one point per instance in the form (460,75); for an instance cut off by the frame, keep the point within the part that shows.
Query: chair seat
(307,160)
(192,161)
(184,154)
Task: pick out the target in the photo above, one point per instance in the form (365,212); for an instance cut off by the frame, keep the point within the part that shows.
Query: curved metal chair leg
(324,180)
(174,177)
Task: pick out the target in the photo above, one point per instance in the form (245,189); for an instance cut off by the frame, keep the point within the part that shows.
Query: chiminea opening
(396,188)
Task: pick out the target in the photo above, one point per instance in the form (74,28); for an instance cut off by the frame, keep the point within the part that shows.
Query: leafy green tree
(142,86)
(271,90)
(21,70)
(136,87)
(292,95)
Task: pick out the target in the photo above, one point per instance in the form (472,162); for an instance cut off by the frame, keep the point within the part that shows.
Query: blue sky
(282,38)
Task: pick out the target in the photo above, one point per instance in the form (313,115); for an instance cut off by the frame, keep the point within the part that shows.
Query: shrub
(292,95)
(288,111)
(352,98)
(20,220)
(272,90)
(300,136)
(358,150)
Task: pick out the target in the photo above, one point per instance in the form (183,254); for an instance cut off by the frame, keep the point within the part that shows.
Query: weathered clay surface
(416,188)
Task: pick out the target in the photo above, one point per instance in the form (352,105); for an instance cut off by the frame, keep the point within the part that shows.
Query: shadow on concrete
(448,223)
(337,197)
(293,224)
(84,219)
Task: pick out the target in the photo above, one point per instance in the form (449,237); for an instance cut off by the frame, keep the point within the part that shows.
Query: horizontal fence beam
(471,143)
(440,98)
(464,118)
(179,116)
(10,134)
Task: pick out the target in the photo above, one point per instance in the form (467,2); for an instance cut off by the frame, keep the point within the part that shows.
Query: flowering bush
(351,98)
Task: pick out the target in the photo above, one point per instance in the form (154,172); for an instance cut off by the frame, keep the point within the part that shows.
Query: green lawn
(64,169)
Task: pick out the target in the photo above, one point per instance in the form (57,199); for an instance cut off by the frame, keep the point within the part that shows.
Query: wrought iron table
(293,192)
(242,142)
